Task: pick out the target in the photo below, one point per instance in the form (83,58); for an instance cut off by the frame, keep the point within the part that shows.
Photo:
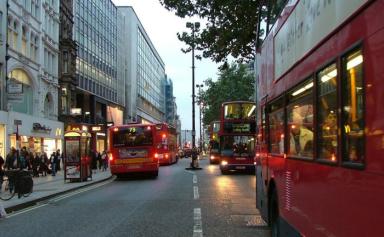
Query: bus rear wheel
(274,215)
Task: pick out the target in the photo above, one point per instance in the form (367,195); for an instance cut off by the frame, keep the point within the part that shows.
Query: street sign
(15,98)
(17,122)
(15,88)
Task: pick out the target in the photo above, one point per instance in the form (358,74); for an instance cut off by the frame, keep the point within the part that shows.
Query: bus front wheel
(274,215)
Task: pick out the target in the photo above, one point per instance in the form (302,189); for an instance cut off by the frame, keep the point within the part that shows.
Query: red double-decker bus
(166,144)
(237,136)
(320,146)
(214,142)
(133,149)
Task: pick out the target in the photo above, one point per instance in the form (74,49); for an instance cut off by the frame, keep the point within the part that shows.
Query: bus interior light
(251,111)
(302,89)
(354,62)
(329,76)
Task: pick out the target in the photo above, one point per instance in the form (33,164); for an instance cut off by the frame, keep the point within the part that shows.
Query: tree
(234,83)
(232,27)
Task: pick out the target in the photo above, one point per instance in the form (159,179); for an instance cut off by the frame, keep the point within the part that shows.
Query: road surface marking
(194,179)
(198,225)
(195,192)
(53,200)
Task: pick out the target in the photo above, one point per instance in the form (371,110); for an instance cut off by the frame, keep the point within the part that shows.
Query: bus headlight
(212,157)
(224,162)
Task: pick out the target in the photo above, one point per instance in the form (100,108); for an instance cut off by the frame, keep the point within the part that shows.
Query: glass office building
(95,32)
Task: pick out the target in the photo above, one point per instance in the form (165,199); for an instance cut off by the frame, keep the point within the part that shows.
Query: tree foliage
(231,25)
(234,83)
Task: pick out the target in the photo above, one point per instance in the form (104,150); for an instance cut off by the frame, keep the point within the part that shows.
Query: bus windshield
(239,111)
(133,136)
(237,146)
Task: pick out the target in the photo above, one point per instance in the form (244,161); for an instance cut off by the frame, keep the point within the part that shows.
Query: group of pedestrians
(99,160)
(39,163)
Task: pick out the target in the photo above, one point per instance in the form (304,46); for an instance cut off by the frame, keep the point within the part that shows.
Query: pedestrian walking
(43,169)
(104,159)
(2,161)
(11,161)
(53,160)
(58,167)
(35,165)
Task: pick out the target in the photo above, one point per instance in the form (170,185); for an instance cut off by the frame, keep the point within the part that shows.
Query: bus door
(262,163)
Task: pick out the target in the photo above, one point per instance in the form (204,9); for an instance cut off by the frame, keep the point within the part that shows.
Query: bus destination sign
(241,127)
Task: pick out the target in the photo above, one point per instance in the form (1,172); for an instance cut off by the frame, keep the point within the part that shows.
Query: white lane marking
(26,210)
(195,192)
(58,199)
(78,192)
(194,179)
(197,223)
(191,172)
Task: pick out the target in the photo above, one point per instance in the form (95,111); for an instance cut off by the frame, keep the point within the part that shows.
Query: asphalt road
(178,203)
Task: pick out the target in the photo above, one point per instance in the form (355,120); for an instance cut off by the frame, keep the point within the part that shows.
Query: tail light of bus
(110,157)
(116,129)
(156,156)
(166,156)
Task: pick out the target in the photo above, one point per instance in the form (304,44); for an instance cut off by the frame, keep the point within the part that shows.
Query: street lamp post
(194,27)
(199,86)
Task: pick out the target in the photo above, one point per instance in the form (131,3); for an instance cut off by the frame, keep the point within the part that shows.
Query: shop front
(35,134)
(3,134)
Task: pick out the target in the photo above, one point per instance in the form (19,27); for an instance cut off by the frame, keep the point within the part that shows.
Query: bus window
(276,127)
(134,136)
(353,107)
(300,121)
(327,117)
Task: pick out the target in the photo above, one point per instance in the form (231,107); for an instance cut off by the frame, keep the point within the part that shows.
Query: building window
(23,104)
(353,108)
(24,41)
(300,120)
(326,113)
(65,62)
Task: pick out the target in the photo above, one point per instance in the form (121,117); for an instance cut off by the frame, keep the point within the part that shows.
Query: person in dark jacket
(1,171)
(53,160)
(11,161)
(58,167)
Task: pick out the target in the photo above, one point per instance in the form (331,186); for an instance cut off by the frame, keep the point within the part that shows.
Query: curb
(35,201)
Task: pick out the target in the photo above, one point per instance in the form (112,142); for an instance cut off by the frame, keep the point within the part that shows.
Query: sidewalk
(49,186)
